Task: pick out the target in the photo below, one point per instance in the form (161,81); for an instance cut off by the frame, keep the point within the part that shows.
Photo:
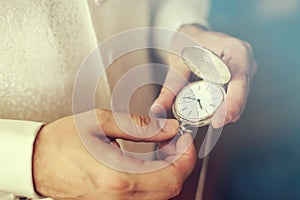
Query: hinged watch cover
(206,65)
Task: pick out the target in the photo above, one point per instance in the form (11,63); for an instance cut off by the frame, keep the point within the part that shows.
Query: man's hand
(64,169)
(237,54)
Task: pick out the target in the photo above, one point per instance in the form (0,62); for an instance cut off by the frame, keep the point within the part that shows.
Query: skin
(64,169)
(236,53)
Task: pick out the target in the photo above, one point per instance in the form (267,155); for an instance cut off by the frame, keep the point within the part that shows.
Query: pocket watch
(197,102)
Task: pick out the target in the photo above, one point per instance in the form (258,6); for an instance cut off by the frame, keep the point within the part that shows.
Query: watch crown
(184,128)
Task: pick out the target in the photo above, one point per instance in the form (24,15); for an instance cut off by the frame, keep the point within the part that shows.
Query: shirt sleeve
(172,14)
(168,16)
(16,148)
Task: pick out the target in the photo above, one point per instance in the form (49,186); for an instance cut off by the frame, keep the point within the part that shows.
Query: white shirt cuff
(16,148)
(172,14)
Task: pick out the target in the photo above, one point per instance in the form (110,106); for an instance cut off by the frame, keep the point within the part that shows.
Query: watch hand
(190,98)
(199,102)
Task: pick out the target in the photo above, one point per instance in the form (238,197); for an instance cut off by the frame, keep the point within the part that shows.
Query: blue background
(259,157)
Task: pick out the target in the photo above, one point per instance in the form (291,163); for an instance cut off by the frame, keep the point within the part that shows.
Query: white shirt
(42,46)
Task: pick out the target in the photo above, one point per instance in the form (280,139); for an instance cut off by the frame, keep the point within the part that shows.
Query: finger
(175,173)
(139,195)
(136,127)
(157,195)
(236,99)
(218,119)
(166,148)
(149,176)
(186,152)
(238,90)
(176,79)
(235,102)
(242,69)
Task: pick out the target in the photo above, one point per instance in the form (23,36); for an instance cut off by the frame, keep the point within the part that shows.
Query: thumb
(176,79)
(163,103)
(135,127)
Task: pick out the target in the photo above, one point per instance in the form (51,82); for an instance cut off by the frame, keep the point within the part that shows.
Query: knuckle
(237,51)
(242,46)
(99,113)
(102,115)
(118,184)
(233,41)
(124,185)
(236,118)
(248,45)
(248,48)
(234,111)
(175,188)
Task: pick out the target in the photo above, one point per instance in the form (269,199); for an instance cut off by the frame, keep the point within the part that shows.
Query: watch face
(197,102)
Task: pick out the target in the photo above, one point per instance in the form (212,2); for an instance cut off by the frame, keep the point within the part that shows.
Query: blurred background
(259,156)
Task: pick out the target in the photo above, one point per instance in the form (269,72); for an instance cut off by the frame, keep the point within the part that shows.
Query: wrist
(192,29)
(36,159)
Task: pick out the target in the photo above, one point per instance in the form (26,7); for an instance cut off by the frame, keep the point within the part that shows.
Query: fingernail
(216,124)
(221,121)
(157,111)
(218,121)
(156,108)
(170,126)
(227,119)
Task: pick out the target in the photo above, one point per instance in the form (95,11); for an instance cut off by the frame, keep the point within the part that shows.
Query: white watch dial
(198,101)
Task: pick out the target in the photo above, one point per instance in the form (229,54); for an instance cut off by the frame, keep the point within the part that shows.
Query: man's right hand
(64,169)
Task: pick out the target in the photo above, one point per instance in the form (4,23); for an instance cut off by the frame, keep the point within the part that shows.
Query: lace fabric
(42,46)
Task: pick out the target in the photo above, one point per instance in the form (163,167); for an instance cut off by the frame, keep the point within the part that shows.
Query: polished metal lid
(206,65)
